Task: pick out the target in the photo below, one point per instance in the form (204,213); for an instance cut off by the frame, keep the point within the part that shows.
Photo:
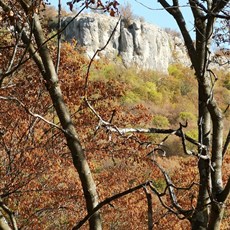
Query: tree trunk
(216,215)
(201,214)
(210,206)
(78,156)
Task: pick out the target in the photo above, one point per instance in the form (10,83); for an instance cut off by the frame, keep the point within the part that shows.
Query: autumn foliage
(38,181)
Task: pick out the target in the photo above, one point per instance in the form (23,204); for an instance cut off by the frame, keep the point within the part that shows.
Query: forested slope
(37,175)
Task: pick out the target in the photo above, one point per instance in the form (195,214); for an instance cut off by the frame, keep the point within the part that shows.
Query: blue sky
(156,16)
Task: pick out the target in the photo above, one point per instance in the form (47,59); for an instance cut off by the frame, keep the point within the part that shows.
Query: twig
(107,201)
(10,214)
(59,37)
(95,54)
(33,114)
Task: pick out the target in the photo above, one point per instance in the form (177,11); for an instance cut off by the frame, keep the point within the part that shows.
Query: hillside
(136,138)
(50,197)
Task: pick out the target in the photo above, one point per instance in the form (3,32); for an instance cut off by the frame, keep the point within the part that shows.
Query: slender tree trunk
(201,214)
(212,196)
(46,66)
(78,156)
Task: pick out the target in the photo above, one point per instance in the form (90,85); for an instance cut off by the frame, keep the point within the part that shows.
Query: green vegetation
(187,116)
(160,121)
(169,99)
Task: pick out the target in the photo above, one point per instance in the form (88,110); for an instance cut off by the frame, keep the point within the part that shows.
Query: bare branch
(112,128)
(170,188)
(59,37)
(159,195)
(9,213)
(150,210)
(31,113)
(222,197)
(189,152)
(108,201)
(95,54)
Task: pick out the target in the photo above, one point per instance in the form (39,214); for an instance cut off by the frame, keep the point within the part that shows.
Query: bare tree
(22,11)
(212,193)
(30,43)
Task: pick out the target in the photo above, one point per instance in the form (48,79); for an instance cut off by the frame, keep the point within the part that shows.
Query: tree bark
(3,223)
(210,121)
(73,142)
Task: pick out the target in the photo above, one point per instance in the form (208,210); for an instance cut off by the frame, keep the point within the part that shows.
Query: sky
(156,15)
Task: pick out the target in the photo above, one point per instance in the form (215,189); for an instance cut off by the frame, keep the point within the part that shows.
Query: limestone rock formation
(137,43)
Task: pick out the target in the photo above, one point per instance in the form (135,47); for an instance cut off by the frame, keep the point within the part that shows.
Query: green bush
(160,121)
(147,91)
(131,98)
(187,116)
(174,70)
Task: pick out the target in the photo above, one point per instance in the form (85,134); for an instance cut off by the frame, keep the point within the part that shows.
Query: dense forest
(113,108)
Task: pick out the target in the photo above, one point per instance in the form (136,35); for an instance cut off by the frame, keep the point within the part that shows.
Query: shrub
(187,116)
(131,98)
(148,92)
(160,121)
(126,13)
(174,70)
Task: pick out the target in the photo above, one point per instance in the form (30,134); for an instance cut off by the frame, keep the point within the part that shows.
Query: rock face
(137,43)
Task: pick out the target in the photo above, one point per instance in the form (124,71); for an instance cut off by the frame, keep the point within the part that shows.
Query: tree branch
(150,209)
(58,38)
(9,213)
(31,113)
(95,54)
(176,13)
(107,201)
(112,128)
(222,197)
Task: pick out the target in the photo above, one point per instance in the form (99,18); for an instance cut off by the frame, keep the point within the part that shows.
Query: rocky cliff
(137,43)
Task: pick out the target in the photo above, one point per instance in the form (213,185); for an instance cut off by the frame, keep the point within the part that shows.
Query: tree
(212,193)
(36,48)
(27,41)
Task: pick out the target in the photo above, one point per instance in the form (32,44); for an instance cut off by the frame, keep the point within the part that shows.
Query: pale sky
(156,15)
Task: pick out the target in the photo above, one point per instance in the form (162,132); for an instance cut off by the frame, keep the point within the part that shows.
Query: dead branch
(95,54)
(9,213)
(33,114)
(121,131)
(107,201)
(150,210)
